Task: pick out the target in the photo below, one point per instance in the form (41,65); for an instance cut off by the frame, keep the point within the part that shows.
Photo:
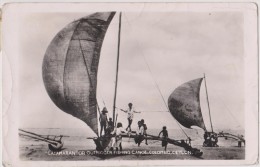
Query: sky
(177,47)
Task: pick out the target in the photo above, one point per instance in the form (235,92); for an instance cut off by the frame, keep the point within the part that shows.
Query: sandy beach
(80,148)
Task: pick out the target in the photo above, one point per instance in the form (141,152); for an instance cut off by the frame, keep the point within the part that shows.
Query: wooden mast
(117,66)
(208,102)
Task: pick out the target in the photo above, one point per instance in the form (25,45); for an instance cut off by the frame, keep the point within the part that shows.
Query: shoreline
(38,151)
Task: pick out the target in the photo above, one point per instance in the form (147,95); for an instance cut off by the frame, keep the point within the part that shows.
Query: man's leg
(105,128)
(128,126)
(101,129)
(146,139)
(120,146)
(130,123)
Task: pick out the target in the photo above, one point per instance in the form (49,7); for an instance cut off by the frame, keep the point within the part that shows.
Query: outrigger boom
(228,135)
(181,143)
(53,144)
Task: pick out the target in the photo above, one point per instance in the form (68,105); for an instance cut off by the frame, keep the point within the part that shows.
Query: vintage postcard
(130,84)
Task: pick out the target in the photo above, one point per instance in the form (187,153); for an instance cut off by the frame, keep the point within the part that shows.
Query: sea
(79,139)
(80,136)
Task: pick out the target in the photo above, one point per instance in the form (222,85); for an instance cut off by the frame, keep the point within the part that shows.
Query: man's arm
(137,111)
(123,110)
(159,134)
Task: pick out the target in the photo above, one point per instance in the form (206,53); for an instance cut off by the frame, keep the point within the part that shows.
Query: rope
(156,85)
(229,111)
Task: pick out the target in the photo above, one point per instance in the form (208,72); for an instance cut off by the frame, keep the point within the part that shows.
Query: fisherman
(139,133)
(110,126)
(216,140)
(240,140)
(243,140)
(130,114)
(207,141)
(213,140)
(103,120)
(165,136)
(145,128)
(117,139)
(239,143)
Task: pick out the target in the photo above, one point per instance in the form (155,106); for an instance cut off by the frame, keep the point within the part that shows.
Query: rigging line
(208,102)
(157,86)
(229,111)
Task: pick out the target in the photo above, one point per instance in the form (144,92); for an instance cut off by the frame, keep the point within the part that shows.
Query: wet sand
(38,151)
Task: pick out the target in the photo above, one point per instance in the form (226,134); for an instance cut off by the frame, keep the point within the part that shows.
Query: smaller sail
(184,104)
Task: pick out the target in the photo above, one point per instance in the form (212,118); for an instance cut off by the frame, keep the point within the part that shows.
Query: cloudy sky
(177,46)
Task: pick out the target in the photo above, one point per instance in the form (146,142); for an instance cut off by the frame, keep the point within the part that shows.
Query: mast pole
(117,66)
(208,102)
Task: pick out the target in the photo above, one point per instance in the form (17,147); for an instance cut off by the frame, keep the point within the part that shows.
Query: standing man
(103,121)
(130,114)
(165,136)
(145,128)
(139,133)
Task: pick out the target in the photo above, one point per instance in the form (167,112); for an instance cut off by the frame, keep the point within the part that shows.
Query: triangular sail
(70,66)
(184,104)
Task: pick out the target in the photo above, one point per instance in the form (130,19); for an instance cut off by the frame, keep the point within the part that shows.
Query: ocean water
(79,136)
(32,149)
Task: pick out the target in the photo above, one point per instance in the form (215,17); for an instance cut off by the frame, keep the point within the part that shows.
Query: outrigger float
(55,142)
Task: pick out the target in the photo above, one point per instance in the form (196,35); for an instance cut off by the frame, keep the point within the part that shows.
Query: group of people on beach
(210,139)
(116,132)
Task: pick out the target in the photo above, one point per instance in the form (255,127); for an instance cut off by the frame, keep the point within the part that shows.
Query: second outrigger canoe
(184,104)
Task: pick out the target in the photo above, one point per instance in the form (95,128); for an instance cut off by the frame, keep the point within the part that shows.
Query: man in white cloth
(130,115)
(116,140)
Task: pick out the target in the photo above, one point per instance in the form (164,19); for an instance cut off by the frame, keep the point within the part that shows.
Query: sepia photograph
(130,82)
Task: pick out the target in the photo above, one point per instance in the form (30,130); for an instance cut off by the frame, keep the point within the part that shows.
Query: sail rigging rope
(156,85)
(229,111)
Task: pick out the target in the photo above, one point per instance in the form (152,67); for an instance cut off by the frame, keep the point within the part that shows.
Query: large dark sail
(70,66)
(184,104)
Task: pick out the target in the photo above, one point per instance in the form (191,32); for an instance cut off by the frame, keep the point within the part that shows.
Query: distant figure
(145,128)
(239,143)
(241,138)
(139,134)
(206,142)
(221,133)
(110,126)
(165,136)
(103,120)
(130,114)
(216,140)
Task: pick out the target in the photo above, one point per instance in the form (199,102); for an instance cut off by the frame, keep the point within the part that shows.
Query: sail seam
(63,78)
